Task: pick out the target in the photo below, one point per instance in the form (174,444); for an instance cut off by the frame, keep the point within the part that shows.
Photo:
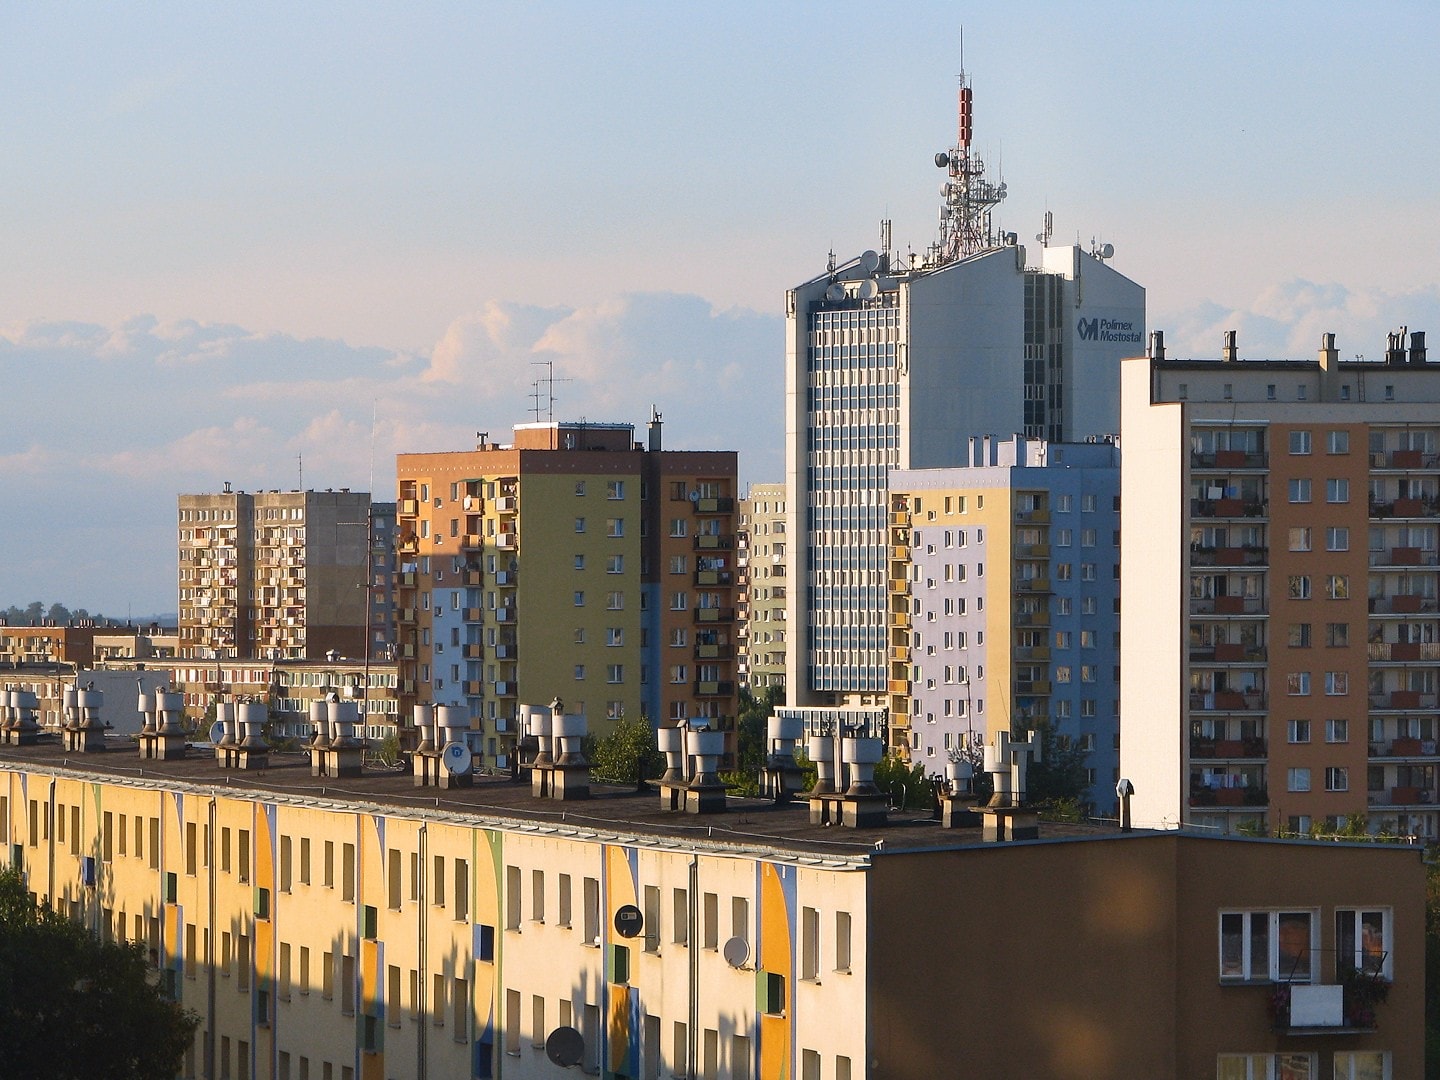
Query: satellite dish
(835,293)
(217,731)
(628,921)
(868,289)
(736,952)
(457,758)
(869,261)
(941,160)
(695,496)
(565,1047)
(1107,251)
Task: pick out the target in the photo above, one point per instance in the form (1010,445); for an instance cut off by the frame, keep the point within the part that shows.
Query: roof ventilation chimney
(1329,368)
(1230,353)
(845,755)
(957,796)
(1417,347)
(1395,348)
(567,778)
(782,777)
(21,727)
(83,732)
(1157,344)
(161,737)
(1006,816)
(652,430)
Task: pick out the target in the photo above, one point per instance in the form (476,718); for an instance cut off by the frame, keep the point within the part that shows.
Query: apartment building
(1282,669)
(763,565)
(358,936)
(47,645)
(282,575)
(1004,602)
(574,563)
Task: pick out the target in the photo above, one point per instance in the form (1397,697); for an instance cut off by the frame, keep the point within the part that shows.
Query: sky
(277,244)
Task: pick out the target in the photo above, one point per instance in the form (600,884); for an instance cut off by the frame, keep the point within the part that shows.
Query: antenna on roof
(968,195)
(549,380)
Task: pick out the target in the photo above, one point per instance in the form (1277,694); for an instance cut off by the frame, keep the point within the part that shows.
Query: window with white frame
(1362,1065)
(1267,945)
(1363,941)
(1337,779)
(1266,1067)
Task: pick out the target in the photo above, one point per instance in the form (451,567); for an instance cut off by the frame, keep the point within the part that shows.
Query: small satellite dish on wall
(457,758)
(629,921)
(736,952)
(565,1047)
(217,731)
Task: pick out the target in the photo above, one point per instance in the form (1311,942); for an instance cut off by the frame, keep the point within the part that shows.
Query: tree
(908,788)
(74,1007)
(1057,781)
(628,755)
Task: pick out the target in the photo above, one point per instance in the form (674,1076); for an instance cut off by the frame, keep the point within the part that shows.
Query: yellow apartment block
(364,930)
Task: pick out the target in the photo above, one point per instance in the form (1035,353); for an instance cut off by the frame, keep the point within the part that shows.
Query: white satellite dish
(457,758)
(1107,251)
(217,731)
(835,293)
(868,289)
(869,261)
(736,952)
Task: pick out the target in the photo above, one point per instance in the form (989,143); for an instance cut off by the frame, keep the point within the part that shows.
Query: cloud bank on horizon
(107,424)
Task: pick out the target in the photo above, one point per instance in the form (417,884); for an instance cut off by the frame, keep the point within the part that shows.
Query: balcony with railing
(1229,459)
(1402,604)
(1227,605)
(1229,508)
(1249,555)
(1407,700)
(1228,701)
(1202,746)
(1382,652)
(1404,556)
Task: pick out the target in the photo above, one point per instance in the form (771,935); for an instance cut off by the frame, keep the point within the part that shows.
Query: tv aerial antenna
(968,194)
(544,402)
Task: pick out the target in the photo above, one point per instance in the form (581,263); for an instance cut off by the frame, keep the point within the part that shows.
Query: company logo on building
(1107,330)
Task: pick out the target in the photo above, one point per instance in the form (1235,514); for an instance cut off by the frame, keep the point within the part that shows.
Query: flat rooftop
(619,814)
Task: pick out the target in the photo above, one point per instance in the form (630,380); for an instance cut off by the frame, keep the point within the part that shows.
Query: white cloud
(1286,321)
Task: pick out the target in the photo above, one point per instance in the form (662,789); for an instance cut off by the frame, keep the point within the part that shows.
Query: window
(1337,778)
(1297,779)
(1260,945)
(1337,442)
(1299,636)
(1362,942)
(1337,538)
(1337,490)
(1299,731)
(614,636)
(615,564)
(679,601)
(1297,683)
(1300,539)
(615,527)
(679,564)
(1299,442)
(579,524)
(579,562)
(579,597)
(1337,635)
(678,527)
(1299,586)
(1362,1065)
(1337,731)
(1266,1067)
(579,487)
(615,489)
(1300,490)
(615,673)
(579,671)
(1337,684)
(1337,586)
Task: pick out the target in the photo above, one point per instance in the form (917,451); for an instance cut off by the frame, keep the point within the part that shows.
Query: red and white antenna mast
(967,195)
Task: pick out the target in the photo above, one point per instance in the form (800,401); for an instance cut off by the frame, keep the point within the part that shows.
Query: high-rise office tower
(574,563)
(893,362)
(1279,633)
(281,575)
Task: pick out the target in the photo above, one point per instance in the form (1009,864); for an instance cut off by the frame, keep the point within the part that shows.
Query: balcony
(714,688)
(1036,517)
(1228,701)
(405,580)
(1403,651)
(1227,508)
(506,579)
(407,508)
(1202,747)
(1402,699)
(1032,686)
(1227,605)
(405,615)
(714,652)
(474,577)
(504,615)
(714,577)
(1230,459)
(1032,551)
(1032,652)
(714,506)
(473,614)
(714,542)
(1343,1008)
(473,689)
(1227,652)
(505,652)
(471,540)
(505,541)
(1403,556)
(1402,796)
(1427,507)
(1032,585)
(504,689)
(506,504)
(474,651)
(1402,604)
(1223,797)
(1229,556)
(1032,618)
(714,614)
(1403,747)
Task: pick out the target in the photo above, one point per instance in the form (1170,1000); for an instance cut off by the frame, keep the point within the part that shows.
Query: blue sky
(235,233)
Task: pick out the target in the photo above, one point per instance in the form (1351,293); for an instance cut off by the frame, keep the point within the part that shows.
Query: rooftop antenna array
(548,397)
(968,195)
